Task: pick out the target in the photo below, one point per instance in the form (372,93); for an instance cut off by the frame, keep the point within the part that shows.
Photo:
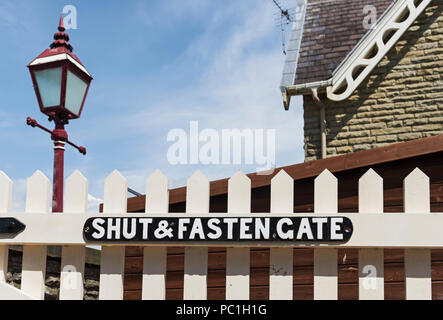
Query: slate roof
(331,29)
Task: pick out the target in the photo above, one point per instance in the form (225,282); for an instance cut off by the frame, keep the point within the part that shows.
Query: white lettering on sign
(213,225)
(97,225)
(163,231)
(230,222)
(182,228)
(244,229)
(289,235)
(262,230)
(197,228)
(305,229)
(145,223)
(214,229)
(335,226)
(129,232)
(320,222)
(113,228)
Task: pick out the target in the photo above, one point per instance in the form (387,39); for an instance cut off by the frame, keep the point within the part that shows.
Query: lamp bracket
(58,134)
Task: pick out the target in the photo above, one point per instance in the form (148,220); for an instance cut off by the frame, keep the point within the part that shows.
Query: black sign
(10,226)
(231,229)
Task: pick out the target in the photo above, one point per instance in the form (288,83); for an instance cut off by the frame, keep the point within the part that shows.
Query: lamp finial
(61,38)
(61,27)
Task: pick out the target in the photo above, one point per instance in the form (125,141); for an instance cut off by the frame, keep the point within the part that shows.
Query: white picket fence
(417,230)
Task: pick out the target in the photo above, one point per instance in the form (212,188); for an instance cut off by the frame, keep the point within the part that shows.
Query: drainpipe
(322,121)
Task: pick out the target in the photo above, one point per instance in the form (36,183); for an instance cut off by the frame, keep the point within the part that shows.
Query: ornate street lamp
(61,84)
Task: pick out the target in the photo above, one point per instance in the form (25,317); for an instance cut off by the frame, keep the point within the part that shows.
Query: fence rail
(417,231)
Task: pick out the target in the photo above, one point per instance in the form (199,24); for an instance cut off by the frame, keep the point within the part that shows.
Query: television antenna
(283,18)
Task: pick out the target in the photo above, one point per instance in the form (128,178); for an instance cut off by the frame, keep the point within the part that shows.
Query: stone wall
(401,100)
(91,284)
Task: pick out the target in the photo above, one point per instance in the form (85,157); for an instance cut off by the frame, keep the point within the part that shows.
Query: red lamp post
(61,84)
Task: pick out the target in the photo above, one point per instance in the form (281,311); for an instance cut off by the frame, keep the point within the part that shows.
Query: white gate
(417,230)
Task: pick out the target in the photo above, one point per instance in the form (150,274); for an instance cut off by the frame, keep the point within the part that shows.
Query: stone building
(366,85)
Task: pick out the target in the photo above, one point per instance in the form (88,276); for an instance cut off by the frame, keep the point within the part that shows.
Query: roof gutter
(302,89)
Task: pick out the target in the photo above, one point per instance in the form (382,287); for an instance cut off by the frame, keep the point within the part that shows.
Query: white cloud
(238,88)
(170,11)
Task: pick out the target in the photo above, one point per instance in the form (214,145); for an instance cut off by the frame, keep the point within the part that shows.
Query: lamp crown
(61,39)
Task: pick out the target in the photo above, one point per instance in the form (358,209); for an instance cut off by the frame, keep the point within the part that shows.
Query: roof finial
(61,38)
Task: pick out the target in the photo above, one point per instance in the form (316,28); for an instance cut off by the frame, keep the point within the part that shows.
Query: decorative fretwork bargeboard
(373,47)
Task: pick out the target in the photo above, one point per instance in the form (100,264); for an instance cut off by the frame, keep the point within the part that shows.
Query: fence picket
(196,259)
(73,257)
(281,259)
(38,195)
(113,258)
(5,206)
(238,259)
(417,261)
(371,261)
(154,258)
(325,260)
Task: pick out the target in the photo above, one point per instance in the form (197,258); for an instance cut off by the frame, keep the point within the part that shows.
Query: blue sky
(157,65)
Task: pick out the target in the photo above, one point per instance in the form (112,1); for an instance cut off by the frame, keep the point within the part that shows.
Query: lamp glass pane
(49,84)
(75,92)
